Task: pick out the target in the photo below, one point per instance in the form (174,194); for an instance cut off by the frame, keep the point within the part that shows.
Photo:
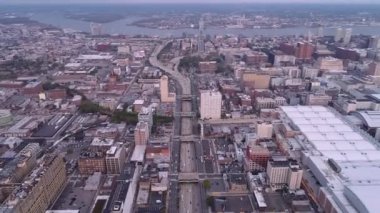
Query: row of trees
(193,62)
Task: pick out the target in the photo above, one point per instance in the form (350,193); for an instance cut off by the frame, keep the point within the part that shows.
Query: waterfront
(123,27)
(58,16)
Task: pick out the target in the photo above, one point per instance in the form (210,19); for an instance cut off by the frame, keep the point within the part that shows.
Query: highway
(189,196)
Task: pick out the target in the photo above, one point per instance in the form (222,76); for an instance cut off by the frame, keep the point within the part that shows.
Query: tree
(206,184)
(189,61)
(159,119)
(124,116)
(210,201)
(70,151)
(87,106)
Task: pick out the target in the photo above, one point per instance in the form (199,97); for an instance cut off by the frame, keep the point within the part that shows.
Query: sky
(189,1)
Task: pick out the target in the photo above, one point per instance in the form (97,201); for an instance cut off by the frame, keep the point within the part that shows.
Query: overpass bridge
(185,114)
(187,97)
(186,138)
(188,177)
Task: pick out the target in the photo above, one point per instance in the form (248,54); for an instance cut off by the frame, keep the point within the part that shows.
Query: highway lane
(189,193)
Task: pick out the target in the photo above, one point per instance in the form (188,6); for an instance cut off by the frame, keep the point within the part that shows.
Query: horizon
(186,2)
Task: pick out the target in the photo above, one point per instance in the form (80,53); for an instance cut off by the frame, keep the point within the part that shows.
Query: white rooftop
(138,153)
(328,136)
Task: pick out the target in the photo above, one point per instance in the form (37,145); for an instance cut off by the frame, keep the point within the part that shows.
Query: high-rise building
(91,162)
(374,69)
(141,133)
(343,35)
(146,115)
(256,80)
(374,42)
(257,158)
(96,28)
(320,32)
(40,189)
(347,35)
(264,130)
(283,172)
(201,42)
(304,50)
(166,96)
(211,104)
(115,158)
(339,34)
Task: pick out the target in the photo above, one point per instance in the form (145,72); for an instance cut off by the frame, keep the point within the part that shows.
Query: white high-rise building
(374,42)
(96,29)
(283,172)
(347,35)
(338,34)
(211,104)
(320,32)
(343,35)
(164,90)
(264,130)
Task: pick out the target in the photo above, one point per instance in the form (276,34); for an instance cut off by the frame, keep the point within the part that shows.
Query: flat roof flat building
(211,104)
(343,159)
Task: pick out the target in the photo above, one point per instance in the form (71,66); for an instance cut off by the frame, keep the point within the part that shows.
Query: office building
(330,64)
(279,58)
(320,32)
(345,53)
(304,50)
(343,35)
(255,80)
(141,133)
(318,99)
(256,58)
(257,158)
(91,161)
(166,96)
(208,66)
(284,173)
(210,104)
(146,115)
(264,103)
(287,48)
(96,29)
(201,42)
(40,189)
(374,42)
(15,171)
(115,160)
(264,130)
(309,72)
(347,36)
(374,69)
(339,34)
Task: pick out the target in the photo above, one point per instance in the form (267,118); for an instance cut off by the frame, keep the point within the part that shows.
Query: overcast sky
(190,1)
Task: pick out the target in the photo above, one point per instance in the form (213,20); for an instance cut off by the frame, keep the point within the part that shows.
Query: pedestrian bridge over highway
(188,177)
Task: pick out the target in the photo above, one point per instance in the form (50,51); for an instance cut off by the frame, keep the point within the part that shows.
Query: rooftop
(327,136)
